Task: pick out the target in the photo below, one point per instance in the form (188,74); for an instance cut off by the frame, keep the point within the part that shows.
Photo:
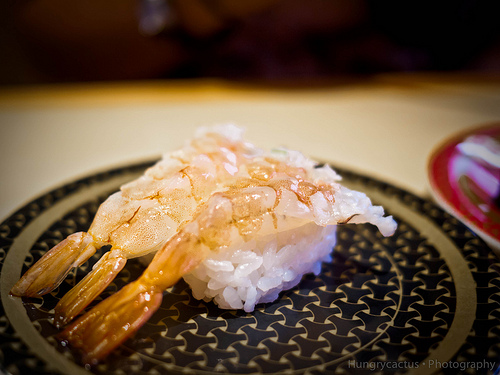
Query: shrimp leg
(51,269)
(73,302)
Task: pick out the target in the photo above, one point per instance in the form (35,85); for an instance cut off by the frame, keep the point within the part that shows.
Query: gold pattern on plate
(354,306)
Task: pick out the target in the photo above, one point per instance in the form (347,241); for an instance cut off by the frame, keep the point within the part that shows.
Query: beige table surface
(384,127)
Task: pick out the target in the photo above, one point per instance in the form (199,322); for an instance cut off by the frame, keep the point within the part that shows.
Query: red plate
(467,184)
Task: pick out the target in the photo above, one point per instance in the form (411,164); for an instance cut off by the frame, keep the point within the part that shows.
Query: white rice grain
(252,275)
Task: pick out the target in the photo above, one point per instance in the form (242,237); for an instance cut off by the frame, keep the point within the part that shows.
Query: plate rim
(437,193)
(144,164)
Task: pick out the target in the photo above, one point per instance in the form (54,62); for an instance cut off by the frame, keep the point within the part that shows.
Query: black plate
(424,300)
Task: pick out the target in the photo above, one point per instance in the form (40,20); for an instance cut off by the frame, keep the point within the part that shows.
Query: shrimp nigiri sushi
(238,223)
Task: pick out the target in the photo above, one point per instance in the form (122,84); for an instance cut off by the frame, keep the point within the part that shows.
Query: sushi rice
(258,271)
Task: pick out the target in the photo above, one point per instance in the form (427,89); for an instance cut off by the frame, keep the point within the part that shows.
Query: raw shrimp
(140,218)
(217,193)
(283,199)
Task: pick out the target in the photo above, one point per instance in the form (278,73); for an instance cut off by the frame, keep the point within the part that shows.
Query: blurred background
(375,85)
(51,41)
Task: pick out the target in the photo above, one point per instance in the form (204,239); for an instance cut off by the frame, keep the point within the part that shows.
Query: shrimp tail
(46,274)
(112,321)
(88,288)
(119,316)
